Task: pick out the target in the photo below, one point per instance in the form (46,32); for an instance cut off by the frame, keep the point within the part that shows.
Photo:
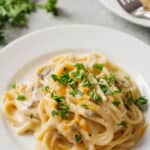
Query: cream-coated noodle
(78,103)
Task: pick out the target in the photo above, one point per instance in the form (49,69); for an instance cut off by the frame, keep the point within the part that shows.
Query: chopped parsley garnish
(141,101)
(79,75)
(54,112)
(116,102)
(54,77)
(63,110)
(95,97)
(98,67)
(21,97)
(116,91)
(79,66)
(122,123)
(111,79)
(63,79)
(129,102)
(85,106)
(45,88)
(75,92)
(87,83)
(13,85)
(105,88)
(78,137)
(57,98)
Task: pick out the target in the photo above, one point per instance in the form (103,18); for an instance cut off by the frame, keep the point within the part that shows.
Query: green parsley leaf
(21,97)
(105,88)
(116,102)
(51,6)
(75,92)
(87,83)
(98,67)
(57,98)
(54,112)
(141,101)
(63,110)
(45,88)
(13,85)
(54,77)
(63,79)
(122,123)
(85,106)
(79,66)
(95,97)
(111,79)
(78,137)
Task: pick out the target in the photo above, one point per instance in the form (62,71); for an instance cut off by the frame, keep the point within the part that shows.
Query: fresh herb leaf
(111,79)
(116,102)
(75,92)
(85,106)
(95,97)
(98,67)
(122,123)
(54,77)
(129,102)
(116,91)
(21,97)
(87,83)
(141,101)
(15,12)
(63,79)
(78,137)
(63,110)
(45,88)
(79,66)
(54,112)
(13,85)
(57,98)
(105,89)
(51,6)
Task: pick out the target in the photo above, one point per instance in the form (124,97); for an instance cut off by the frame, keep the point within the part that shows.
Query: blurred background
(78,12)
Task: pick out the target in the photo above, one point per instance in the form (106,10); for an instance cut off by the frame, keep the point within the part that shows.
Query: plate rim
(64,26)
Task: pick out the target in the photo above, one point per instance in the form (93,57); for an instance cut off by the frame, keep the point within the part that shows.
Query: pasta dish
(78,103)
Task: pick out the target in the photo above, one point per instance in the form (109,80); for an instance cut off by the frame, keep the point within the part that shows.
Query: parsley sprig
(16,12)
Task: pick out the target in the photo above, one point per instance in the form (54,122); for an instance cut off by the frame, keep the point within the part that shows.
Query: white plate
(22,56)
(113,6)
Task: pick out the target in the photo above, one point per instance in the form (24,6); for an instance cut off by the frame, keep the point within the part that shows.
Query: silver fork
(135,8)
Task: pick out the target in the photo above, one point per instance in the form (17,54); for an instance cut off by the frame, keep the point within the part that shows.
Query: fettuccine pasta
(78,103)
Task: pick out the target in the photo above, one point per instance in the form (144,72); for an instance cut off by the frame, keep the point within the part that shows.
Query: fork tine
(130,5)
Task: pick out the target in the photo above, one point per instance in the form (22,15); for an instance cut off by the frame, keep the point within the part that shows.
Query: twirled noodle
(77,103)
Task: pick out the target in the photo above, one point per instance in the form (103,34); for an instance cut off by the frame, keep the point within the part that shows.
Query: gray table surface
(80,12)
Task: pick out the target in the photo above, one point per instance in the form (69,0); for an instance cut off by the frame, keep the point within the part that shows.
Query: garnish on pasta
(78,103)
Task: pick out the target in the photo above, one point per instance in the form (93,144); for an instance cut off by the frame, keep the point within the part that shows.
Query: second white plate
(114,7)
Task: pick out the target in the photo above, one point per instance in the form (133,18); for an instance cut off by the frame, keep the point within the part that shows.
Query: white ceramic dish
(21,57)
(114,7)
